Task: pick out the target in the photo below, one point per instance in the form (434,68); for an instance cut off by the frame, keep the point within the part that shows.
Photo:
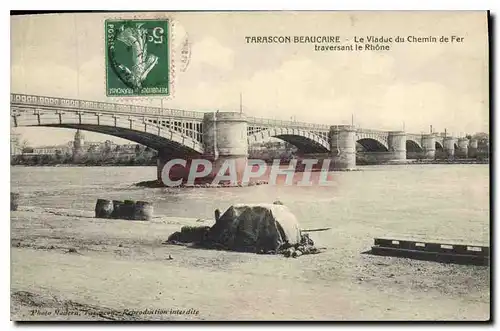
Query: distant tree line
(106,157)
(273,151)
(483,142)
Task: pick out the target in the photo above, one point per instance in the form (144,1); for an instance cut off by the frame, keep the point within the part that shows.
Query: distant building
(129,149)
(93,147)
(51,150)
(110,149)
(78,143)
(15,144)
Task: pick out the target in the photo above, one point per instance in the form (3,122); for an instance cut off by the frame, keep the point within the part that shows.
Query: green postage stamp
(137,57)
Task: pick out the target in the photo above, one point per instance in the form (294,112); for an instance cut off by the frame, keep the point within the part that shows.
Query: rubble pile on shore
(260,229)
(306,246)
(190,234)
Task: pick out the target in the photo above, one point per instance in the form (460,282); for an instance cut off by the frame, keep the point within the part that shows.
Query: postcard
(250,166)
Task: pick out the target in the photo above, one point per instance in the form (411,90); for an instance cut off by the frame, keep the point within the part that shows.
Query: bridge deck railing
(370,131)
(43,102)
(382,132)
(34,101)
(282,123)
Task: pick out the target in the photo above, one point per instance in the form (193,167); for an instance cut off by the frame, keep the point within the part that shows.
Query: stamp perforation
(137,38)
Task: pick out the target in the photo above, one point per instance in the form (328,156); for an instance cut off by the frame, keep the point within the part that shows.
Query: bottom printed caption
(129,312)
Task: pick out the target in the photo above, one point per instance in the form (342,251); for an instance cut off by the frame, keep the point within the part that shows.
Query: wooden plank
(431,256)
(433,246)
(383,242)
(475,250)
(405,244)
(443,241)
(461,249)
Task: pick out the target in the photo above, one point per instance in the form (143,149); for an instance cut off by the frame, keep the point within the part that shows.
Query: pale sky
(445,85)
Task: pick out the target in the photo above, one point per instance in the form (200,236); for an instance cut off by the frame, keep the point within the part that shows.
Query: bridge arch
(438,145)
(304,140)
(413,146)
(372,142)
(139,130)
(372,145)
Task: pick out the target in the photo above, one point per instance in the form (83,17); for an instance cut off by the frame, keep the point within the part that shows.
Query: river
(425,201)
(446,202)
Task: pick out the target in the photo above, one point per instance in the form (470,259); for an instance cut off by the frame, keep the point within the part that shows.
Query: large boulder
(258,228)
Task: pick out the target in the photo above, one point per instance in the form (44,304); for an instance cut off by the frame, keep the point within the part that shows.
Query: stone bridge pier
(449,146)
(224,139)
(429,146)
(342,147)
(472,150)
(396,141)
(463,146)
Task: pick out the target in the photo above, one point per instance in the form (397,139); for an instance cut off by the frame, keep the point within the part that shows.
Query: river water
(424,201)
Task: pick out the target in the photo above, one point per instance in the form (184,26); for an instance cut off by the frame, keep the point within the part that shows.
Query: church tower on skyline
(78,143)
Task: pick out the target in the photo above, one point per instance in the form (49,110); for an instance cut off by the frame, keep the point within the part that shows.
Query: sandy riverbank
(68,265)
